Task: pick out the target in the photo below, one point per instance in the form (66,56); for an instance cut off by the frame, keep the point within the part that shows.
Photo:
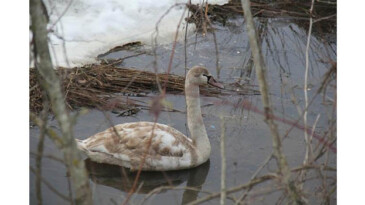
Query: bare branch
(51,84)
(260,73)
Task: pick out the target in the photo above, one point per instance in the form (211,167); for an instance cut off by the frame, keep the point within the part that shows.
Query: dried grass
(107,87)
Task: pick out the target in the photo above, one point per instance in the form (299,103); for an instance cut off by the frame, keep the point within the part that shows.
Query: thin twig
(223,159)
(54,190)
(185,42)
(49,157)
(306,83)
(39,156)
(60,16)
(254,176)
(235,189)
(173,51)
(215,41)
(161,188)
(327,168)
(324,18)
(294,124)
(132,190)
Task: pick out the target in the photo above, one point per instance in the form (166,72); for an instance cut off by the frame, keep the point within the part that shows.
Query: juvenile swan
(126,144)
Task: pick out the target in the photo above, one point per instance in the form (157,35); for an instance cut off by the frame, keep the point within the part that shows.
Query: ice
(93,27)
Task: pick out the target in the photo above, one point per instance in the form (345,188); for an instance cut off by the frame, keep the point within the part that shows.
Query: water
(248,141)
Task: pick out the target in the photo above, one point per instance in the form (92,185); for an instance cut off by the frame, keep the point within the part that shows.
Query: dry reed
(101,86)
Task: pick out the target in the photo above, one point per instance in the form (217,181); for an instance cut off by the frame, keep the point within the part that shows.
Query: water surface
(248,139)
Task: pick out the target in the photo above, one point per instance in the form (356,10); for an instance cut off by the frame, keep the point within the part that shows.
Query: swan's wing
(130,143)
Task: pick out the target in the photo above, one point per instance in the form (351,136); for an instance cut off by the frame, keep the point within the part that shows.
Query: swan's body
(126,144)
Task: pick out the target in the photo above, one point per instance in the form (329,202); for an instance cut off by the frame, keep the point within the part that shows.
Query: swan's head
(200,76)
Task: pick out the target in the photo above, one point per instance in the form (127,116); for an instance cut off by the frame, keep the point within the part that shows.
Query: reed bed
(108,87)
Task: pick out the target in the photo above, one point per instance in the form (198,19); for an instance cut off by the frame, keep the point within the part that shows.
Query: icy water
(248,139)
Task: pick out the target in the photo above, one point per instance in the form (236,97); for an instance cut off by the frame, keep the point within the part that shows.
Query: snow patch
(93,27)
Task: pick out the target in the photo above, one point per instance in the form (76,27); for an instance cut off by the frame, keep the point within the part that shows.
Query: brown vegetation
(98,86)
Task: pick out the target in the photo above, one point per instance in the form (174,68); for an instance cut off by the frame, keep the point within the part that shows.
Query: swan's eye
(208,76)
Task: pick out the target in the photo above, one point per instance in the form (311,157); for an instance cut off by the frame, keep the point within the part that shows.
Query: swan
(126,144)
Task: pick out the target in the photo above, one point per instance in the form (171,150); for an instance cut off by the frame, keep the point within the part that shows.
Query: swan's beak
(213,82)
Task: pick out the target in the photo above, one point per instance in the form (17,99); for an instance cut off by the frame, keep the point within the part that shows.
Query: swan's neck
(195,121)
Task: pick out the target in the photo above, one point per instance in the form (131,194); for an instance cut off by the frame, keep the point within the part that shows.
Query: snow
(92,27)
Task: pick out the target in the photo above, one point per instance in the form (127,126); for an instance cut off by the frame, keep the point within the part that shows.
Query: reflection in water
(122,179)
(196,179)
